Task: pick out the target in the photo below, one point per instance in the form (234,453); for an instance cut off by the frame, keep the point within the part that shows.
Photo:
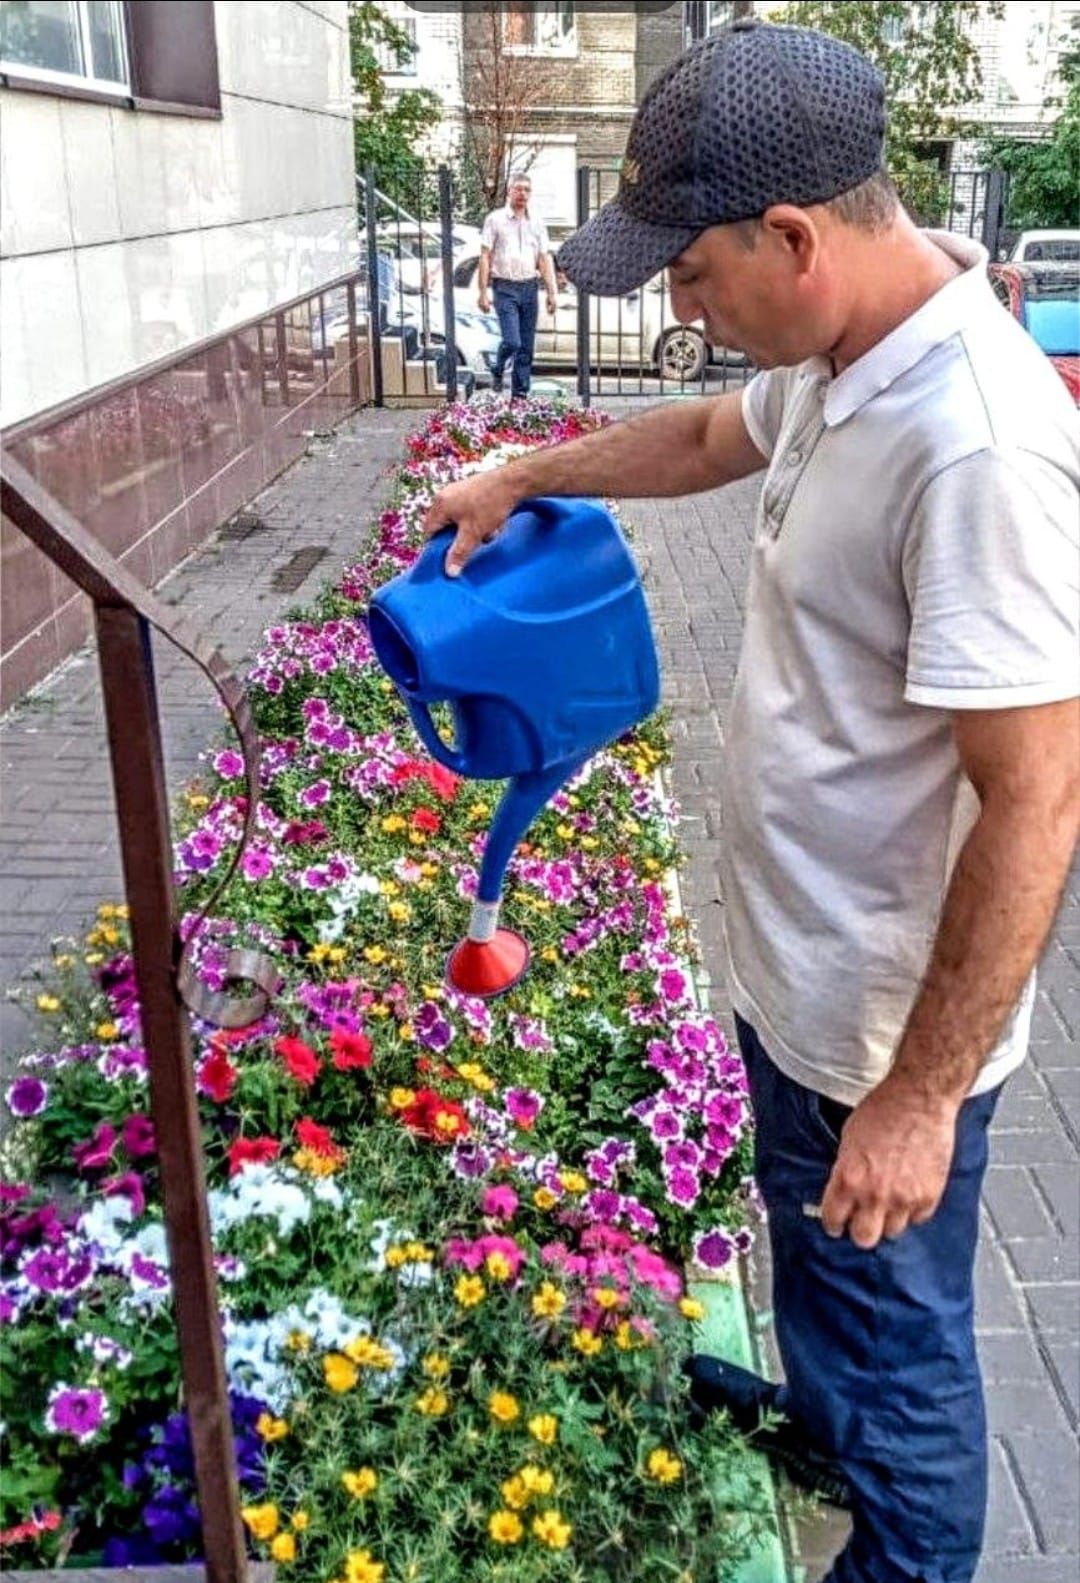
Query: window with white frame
(65,41)
(718,13)
(540,27)
(552,170)
(389,62)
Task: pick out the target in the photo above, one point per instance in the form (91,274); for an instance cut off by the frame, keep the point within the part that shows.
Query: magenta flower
(316,794)
(80,1413)
(129,1186)
(523,1106)
(137,1136)
(93,1153)
(432,1029)
(684,1187)
(500,1202)
(229,764)
(256,863)
(27,1096)
(713,1250)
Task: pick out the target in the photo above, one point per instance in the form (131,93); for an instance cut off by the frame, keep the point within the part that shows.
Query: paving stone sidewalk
(59,860)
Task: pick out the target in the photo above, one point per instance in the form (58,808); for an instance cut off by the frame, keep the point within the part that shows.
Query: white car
(1049,247)
(637,332)
(416,248)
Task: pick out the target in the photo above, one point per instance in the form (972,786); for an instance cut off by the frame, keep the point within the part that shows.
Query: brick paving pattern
(59,860)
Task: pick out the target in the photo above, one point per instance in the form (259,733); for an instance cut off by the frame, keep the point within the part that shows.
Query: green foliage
(386,127)
(930,64)
(1044,177)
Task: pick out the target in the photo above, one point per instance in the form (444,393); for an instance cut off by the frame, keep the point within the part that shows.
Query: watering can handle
(425,728)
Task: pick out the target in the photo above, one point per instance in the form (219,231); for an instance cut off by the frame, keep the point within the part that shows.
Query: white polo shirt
(516,243)
(916,552)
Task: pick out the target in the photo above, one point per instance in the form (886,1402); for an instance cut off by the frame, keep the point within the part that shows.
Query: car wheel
(682,355)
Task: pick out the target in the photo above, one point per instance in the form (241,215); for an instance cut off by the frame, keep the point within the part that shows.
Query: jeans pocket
(829,1116)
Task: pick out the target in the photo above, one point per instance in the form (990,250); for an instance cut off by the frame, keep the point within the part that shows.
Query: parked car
(637,331)
(417,247)
(1046,247)
(1046,300)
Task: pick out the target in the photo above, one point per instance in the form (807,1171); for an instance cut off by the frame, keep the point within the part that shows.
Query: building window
(389,61)
(552,170)
(66,41)
(540,27)
(718,13)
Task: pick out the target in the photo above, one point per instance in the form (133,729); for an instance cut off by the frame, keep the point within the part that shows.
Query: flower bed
(449,1234)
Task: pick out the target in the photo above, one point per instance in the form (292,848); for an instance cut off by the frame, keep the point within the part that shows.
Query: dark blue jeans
(516,303)
(878,1345)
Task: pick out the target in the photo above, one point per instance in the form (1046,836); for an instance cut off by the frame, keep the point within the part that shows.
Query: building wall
(125,234)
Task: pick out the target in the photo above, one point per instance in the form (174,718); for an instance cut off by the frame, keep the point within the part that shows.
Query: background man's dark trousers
(516,303)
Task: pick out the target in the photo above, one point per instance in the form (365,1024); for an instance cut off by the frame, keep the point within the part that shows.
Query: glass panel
(107,40)
(43,33)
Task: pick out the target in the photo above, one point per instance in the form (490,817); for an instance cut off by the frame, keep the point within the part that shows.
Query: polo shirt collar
(509,211)
(943,315)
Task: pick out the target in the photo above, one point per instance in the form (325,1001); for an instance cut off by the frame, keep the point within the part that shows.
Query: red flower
(424,819)
(443,782)
(432,1116)
(252,1151)
(350,1049)
(300,1059)
(217,1075)
(317,1138)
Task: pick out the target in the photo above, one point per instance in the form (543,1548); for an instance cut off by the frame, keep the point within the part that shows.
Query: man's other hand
(890,1172)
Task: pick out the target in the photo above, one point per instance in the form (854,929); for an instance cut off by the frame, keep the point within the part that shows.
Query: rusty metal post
(142,809)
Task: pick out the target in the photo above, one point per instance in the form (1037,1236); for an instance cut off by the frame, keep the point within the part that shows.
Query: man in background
(514,253)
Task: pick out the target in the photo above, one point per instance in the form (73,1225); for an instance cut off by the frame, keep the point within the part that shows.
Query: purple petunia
(229,764)
(27,1096)
(76,1412)
(713,1250)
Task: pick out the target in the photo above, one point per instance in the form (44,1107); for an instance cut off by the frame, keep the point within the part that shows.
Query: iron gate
(634,345)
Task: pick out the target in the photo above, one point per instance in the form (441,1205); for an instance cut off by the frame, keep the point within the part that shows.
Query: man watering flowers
(902,787)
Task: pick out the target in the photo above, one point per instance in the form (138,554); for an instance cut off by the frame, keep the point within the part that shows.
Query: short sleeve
(763,402)
(990,567)
(543,242)
(487,235)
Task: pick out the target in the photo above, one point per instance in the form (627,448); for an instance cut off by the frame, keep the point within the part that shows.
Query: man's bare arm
(483,276)
(897,1145)
(677,450)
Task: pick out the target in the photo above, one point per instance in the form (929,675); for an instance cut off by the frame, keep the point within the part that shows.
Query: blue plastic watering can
(543,652)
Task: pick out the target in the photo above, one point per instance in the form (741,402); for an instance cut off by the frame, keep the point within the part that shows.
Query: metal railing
(123,614)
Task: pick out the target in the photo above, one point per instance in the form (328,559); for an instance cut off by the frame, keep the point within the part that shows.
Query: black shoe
(497,387)
(717,1386)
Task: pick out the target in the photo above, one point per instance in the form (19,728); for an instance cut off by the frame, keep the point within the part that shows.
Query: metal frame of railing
(123,614)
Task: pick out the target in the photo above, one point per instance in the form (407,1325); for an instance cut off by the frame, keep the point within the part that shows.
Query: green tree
(387,127)
(1044,176)
(930,63)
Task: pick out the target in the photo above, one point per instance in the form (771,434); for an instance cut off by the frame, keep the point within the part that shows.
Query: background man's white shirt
(516,244)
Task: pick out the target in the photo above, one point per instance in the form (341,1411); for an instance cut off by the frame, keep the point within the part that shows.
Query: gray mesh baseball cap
(753,116)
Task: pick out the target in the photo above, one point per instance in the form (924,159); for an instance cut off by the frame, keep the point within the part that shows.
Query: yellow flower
(436,1366)
(552,1529)
(531,1480)
(548,1302)
(606,1297)
(315,1164)
(401,1098)
(514,1493)
(470,1290)
(589,843)
(360,1483)
(505,1528)
(369,1353)
(378,1010)
(573,1181)
(271,1428)
(651,865)
(375,954)
(393,822)
(299,1521)
(390,887)
(433,1403)
(64,960)
(197,800)
(472,1072)
(318,953)
(503,1407)
(283,1548)
(479,810)
(417,838)
(662,1466)
(549,954)
(49,1002)
(624,1335)
(691,1308)
(298,1341)
(544,1428)
(338,953)
(587,1342)
(361,1567)
(341,1374)
(395,1258)
(498,1266)
(92,958)
(407,1032)
(579,992)
(261,1521)
(400,911)
(544,1198)
(429,869)
(106,910)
